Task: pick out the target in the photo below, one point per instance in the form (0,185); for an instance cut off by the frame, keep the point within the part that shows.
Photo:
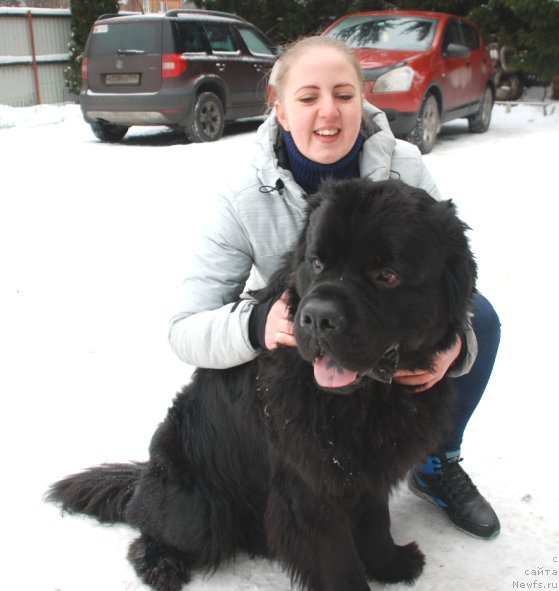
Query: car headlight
(398,80)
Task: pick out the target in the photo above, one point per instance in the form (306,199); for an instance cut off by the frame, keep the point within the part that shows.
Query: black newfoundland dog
(294,455)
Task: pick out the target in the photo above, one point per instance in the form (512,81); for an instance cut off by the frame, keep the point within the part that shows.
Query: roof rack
(179,11)
(115,14)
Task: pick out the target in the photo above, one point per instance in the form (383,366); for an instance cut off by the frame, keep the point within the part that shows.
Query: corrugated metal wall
(51,33)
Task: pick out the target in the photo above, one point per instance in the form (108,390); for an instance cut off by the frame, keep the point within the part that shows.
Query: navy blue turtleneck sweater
(310,174)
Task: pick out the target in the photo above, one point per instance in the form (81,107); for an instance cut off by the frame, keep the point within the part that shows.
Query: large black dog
(294,455)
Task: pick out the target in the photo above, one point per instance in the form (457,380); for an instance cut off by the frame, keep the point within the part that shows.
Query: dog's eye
(386,276)
(317,265)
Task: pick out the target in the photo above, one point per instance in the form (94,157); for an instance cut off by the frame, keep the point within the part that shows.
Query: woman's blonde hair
(294,50)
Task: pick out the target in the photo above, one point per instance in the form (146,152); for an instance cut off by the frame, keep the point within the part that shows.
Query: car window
(189,37)
(471,37)
(220,37)
(390,33)
(452,34)
(255,42)
(109,38)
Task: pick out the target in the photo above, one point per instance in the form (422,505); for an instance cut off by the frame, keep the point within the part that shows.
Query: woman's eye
(345,97)
(307,99)
(317,265)
(386,276)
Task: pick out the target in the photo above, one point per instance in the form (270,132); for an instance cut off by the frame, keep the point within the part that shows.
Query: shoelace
(456,483)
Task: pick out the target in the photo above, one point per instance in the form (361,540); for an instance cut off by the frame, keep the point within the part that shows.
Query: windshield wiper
(130,51)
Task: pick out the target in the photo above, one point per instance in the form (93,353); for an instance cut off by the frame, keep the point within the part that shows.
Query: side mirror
(456,50)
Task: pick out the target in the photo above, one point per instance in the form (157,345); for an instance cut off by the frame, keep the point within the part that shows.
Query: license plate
(122,79)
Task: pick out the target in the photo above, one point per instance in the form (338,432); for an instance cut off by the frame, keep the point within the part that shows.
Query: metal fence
(33,56)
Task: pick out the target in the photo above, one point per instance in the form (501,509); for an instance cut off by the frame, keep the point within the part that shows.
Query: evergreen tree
(458,7)
(530,26)
(83,14)
(286,20)
(279,19)
(539,42)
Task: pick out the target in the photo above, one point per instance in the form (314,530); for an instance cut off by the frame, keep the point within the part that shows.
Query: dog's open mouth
(328,374)
(331,375)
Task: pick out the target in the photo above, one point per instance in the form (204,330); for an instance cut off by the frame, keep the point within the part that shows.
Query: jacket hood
(374,161)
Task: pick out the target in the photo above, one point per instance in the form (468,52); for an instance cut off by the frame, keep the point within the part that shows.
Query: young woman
(320,127)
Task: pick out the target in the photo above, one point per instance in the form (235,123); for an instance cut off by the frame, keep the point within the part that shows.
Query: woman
(320,127)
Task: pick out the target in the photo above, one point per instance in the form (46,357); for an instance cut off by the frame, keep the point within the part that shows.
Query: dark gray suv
(190,68)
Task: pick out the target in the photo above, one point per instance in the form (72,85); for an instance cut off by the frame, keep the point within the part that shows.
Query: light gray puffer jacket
(250,232)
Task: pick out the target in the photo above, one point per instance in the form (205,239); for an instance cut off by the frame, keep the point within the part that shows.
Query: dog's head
(382,278)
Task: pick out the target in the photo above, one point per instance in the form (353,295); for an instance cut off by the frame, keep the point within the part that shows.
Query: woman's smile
(327,132)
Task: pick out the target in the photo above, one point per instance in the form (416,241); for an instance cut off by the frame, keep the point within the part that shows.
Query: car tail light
(85,71)
(172,65)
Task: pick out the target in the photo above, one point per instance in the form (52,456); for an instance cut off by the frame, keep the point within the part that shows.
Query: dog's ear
(280,281)
(460,271)
(283,280)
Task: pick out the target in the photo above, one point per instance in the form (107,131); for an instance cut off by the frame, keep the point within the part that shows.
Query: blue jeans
(471,386)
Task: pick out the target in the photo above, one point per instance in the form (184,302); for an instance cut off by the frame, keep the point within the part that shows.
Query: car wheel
(207,124)
(426,128)
(479,122)
(506,56)
(109,133)
(508,87)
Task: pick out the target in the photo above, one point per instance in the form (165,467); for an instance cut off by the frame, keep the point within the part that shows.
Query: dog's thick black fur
(294,455)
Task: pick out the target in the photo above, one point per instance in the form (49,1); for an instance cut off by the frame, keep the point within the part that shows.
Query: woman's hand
(279,330)
(423,380)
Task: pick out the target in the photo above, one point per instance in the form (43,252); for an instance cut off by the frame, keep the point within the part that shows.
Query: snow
(93,240)
(41,59)
(12,10)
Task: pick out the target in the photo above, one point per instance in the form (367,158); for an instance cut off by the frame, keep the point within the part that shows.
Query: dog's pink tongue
(329,374)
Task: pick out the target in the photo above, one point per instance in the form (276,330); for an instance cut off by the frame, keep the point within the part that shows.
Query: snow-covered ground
(93,240)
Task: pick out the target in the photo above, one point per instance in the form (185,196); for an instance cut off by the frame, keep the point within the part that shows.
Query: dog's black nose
(320,316)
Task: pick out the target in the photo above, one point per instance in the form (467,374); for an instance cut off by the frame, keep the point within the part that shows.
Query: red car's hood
(378,58)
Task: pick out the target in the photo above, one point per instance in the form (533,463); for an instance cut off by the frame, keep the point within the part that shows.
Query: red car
(422,69)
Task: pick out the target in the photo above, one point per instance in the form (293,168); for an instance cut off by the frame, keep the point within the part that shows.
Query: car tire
(108,133)
(479,122)
(508,87)
(506,56)
(424,132)
(208,121)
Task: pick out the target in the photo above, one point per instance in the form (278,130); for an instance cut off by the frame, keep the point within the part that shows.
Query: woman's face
(321,104)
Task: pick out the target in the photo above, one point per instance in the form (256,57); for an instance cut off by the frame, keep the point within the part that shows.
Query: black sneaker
(450,488)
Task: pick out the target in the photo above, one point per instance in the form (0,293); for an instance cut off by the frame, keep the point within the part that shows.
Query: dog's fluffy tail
(101,492)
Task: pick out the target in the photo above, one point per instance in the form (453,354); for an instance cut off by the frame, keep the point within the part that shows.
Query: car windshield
(386,32)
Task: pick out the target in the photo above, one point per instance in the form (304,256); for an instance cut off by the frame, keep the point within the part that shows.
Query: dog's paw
(406,565)
(159,567)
